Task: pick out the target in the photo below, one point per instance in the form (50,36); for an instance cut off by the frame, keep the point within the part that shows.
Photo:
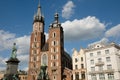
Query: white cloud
(24,59)
(68,10)
(3,63)
(23,44)
(6,39)
(83,29)
(113,32)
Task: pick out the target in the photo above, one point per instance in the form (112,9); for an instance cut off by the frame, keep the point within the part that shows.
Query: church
(48,52)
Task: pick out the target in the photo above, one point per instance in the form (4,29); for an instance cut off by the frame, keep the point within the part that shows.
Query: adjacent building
(2,74)
(48,52)
(22,75)
(103,62)
(79,65)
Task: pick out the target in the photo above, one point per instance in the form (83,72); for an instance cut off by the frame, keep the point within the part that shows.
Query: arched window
(44,59)
(54,34)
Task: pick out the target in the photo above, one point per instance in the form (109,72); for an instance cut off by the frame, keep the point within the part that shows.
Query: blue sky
(85,22)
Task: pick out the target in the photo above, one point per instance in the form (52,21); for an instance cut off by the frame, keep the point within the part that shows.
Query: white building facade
(103,62)
(79,65)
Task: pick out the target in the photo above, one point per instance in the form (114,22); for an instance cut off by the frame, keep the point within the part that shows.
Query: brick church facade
(51,52)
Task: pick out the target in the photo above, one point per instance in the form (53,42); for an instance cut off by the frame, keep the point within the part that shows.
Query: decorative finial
(56,17)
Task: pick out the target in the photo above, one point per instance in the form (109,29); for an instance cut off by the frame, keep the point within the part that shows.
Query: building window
(54,64)
(83,75)
(54,77)
(106,51)
(54,35)
(35,39)
(35,46)
(76,59)
(34,51)
(91,54)
(82,66)
(81,58)
(110,76)
(34,58)
(109,67)
(53,43)
(44,59)
(76,66)
(108,59)
(98,53)
(92,68)
(99,60)
(34,66)
(91,61)
(100,68)
(54,49)
(101,77)
(77,76)
(54,56)
(93,77)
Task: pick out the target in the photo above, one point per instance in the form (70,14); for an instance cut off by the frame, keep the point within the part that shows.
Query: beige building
(79,65)
(51,52)
(22,75)
(2,74)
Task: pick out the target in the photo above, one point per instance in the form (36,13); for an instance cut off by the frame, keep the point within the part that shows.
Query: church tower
(37,41)
(48,54)
(56,49)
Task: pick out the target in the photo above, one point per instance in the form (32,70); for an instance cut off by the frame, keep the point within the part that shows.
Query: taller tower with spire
(37,42)
(49,52)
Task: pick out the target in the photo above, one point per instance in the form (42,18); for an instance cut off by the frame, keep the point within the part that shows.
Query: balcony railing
(99,63)
(102,71)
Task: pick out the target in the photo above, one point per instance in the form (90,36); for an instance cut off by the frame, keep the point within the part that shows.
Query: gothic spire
(38,16)
(39,10)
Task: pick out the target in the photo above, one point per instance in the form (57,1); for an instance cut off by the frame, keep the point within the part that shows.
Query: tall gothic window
(44,59)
